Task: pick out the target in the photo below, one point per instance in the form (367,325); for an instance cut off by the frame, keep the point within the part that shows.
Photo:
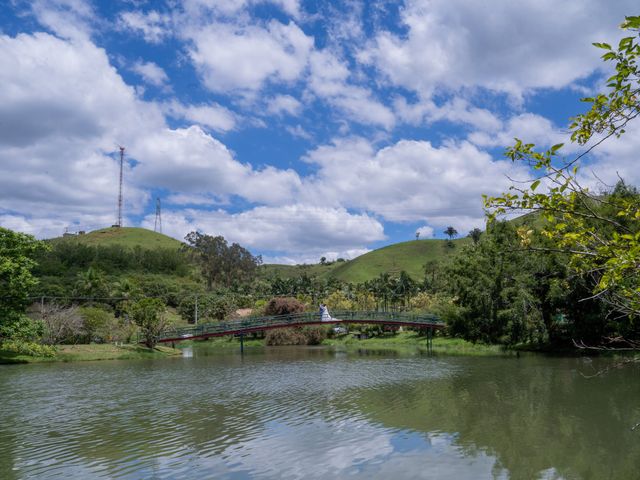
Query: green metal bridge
(247,325)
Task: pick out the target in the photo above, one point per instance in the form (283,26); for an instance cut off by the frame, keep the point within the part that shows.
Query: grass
(413,341)
(128,237)
(408,256)
(293,271)
(77,353)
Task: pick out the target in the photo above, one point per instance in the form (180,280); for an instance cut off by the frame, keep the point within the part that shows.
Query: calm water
(311,413)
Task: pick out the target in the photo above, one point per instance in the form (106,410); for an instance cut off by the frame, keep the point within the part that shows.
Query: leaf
(556,147)
(534,185)
(602,45)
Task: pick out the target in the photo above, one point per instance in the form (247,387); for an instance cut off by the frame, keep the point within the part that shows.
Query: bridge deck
(256,324)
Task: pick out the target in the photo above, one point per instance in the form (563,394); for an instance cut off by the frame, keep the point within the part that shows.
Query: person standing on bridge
(324,313)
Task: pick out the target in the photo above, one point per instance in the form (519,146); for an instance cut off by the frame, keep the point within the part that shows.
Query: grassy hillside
(129,237)
(409,256)
(290,271)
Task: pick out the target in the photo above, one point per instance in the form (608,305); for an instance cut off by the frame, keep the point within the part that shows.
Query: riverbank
(402,341)
(411,340)
(79,353)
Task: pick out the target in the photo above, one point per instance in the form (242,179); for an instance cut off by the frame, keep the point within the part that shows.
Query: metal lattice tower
(119,222)
(157,227)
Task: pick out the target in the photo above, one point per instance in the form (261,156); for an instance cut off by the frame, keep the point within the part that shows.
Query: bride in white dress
(324,313)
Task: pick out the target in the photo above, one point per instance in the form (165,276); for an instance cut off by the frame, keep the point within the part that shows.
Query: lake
(303,412)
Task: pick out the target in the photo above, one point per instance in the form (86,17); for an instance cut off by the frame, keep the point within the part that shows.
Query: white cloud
(409,180)
(242,58)
(506,46)
(188,160)
(66,18)
(151,73)
(425,231)
(281,104)
(58,135)
(528,127)
(213,115)
(329,79)
(153,25)
(302,231)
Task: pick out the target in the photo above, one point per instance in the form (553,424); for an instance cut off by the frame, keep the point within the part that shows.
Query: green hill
(129,237)
(408,256)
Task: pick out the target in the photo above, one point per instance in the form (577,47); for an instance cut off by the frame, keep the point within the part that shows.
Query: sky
(299,129)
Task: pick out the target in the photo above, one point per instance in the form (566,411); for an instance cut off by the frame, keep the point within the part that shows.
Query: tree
(600,234)
(451,232)
(417,235)
(149,315)
(62,324)
(17,253)
(323,260)
(475,235)
(220,263)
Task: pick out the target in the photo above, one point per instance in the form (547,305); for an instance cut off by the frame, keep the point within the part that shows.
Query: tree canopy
(599,233)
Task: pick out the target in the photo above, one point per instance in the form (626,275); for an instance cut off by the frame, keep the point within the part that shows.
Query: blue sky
(299,129)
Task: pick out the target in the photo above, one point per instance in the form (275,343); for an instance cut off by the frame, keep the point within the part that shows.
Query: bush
(283,306)
(28,348)
(312,335)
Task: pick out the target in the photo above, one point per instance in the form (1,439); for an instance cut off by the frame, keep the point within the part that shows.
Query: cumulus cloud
(302,231)
(236,58)
(506,46)
(191,161)
(409,180)
(58,136)
(425,231)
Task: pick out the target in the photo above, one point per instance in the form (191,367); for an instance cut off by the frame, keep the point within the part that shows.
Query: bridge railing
(249,324)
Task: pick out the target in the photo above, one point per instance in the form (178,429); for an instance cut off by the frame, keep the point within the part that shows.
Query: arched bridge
(255,324)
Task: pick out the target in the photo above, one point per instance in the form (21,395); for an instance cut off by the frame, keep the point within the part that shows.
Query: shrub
(28,348)
(283,306)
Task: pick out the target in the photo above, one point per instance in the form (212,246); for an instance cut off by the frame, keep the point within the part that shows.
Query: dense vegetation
(569,272)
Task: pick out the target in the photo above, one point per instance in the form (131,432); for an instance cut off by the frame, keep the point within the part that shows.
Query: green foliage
(17,252)
(22,347)
(149,315)
(220,263)
(99,324)
(599,233)
(210,307)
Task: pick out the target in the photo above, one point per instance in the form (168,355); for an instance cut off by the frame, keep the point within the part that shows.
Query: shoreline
(91,352)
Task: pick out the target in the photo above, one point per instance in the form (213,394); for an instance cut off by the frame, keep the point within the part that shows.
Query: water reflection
(313,413)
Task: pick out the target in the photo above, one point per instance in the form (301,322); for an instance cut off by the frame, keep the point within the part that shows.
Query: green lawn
(75,353)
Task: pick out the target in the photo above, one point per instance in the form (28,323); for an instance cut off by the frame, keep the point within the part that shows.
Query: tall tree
(220,263)
(600,234)
(17,252)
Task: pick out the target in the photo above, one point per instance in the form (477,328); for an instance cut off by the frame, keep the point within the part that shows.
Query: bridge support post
(242,343)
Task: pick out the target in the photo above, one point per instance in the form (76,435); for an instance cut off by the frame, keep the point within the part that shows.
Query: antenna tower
(157,227)
(119,222)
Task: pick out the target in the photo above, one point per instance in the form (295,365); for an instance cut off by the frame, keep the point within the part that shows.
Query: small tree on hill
(451,232)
